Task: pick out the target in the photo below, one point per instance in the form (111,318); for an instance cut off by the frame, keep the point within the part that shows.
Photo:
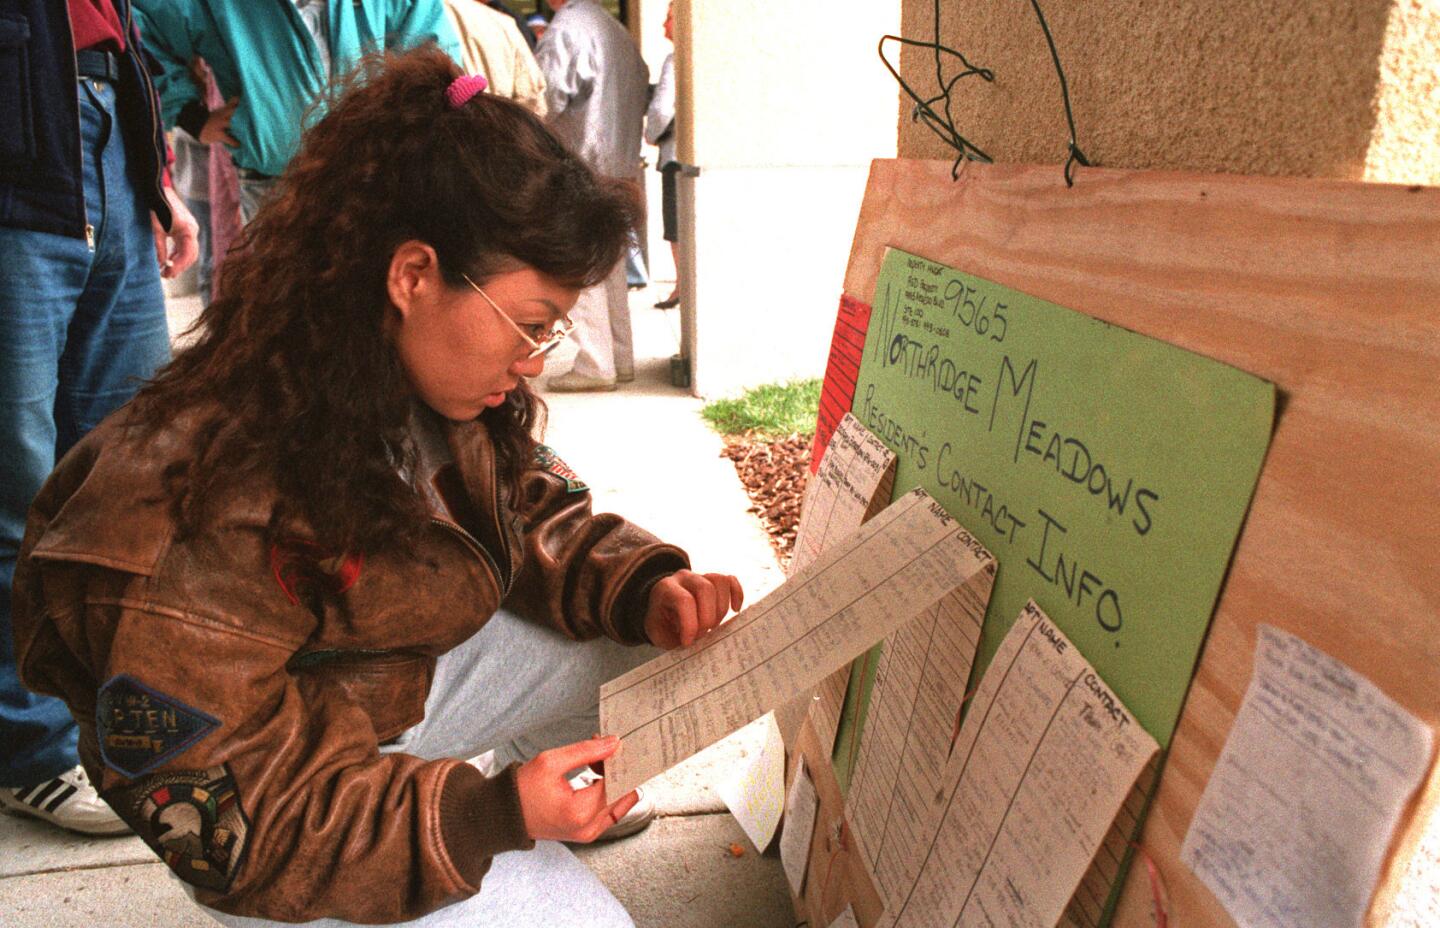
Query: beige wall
(1347,89)
(647,24)
(783,104)
(789,82)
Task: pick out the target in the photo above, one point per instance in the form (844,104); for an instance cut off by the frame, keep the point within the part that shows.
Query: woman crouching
(322,558)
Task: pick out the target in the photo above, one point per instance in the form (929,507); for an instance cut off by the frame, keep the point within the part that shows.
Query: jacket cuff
(480,818)
(634,598)
(192,118)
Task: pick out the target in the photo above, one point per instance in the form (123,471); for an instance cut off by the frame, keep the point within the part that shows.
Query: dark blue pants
(78,330)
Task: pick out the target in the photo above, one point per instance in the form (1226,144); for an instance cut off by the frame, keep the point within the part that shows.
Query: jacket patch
(547,460)
(192,819)
(141,728)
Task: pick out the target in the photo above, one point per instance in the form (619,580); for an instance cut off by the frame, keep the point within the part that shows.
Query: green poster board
(1108,472)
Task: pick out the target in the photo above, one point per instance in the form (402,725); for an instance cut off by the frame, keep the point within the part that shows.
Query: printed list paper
(914,706)
(855,480)
(900,564)
(1043,762)
(1294,825)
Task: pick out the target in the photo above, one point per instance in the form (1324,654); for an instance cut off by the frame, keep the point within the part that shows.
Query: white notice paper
(799,829)
(846,919)
(1044,761)
(897,566)
(756,795)
(1295,822)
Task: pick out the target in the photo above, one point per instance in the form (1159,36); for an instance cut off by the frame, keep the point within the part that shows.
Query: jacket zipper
(474,545)
(79,140)
(152,101)
(500,532)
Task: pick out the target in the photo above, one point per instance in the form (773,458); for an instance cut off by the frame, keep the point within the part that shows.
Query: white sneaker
(68,801)
(571,382)
(486,764)
(633,822)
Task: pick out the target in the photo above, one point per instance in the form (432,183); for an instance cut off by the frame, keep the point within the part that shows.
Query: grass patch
(774,410)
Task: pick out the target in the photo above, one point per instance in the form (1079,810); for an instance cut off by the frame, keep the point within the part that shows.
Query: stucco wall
(1347,89)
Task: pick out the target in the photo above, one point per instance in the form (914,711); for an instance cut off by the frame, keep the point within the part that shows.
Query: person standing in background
(596,90)
(86,212)
(660,131)
(272,59)
(521,22)
(191,173)
(491,45)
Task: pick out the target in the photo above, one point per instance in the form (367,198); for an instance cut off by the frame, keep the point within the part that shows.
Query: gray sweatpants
(516,689)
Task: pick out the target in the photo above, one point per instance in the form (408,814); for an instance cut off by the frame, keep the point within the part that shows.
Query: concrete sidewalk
(646,454)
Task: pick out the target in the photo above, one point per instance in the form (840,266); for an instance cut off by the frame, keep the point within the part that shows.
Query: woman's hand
(555,811)
(685,606)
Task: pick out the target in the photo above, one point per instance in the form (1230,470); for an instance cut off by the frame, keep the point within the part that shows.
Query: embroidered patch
(141,728)
(192,819)
(547,460)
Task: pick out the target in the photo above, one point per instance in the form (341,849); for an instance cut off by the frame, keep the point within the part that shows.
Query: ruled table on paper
(1043,763)
(897,566)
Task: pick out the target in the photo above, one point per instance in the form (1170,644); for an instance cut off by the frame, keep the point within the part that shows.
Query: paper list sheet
(1045,758)
(910,726)
(898,565)
(1295,822)
(855,480)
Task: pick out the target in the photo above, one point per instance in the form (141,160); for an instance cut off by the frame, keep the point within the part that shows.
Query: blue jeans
(78,330)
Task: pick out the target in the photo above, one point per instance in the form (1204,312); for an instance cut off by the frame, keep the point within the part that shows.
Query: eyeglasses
(546,338)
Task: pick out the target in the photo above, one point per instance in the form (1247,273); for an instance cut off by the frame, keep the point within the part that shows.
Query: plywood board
(1331,290)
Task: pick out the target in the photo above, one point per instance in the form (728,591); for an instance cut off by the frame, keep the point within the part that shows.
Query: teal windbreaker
(261,52)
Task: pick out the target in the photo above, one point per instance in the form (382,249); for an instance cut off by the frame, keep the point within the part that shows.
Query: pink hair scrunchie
(464,87)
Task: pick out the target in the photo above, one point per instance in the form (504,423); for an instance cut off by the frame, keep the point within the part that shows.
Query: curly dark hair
(293,377)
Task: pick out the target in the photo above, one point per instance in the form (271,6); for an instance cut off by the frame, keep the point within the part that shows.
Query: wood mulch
(773,472)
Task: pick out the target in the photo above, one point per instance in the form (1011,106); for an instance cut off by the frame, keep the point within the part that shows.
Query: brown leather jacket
(232,695)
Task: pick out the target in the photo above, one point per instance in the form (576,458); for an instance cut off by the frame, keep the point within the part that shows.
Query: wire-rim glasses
(538,347)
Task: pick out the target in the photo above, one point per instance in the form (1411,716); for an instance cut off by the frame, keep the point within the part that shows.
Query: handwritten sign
(1108,472)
